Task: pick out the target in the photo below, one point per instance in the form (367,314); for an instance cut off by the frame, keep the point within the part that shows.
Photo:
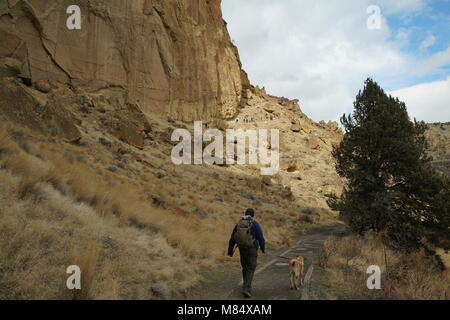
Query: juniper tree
(390,185)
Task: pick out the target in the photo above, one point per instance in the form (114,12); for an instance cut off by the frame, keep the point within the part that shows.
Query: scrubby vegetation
(55,214)
(132,236)
(403,276)
(396,205)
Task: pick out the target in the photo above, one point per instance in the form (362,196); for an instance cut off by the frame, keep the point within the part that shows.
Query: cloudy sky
(322,51)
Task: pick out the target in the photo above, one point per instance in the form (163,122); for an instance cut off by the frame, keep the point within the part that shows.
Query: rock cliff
(171,57)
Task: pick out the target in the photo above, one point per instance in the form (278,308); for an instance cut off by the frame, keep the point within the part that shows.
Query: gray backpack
(243,236)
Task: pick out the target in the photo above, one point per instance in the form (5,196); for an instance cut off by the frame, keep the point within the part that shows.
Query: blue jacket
(257,235)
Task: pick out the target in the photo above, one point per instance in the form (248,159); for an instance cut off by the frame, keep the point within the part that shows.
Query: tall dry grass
(134,236)
(404,276)
(41,236)
(86,259)
(5,140)
(55,214)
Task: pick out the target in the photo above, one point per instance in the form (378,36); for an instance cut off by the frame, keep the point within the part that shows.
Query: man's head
(250,212)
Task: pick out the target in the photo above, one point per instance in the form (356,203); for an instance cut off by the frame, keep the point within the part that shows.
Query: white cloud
(428,42)
(322,51)
(428,101)
(402,37)
(401,6)
(433,63)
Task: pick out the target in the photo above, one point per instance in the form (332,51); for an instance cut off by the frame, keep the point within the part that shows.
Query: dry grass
(404,276)
(134,234)
(55,214)
(5,140)
(86,259)
(40,238)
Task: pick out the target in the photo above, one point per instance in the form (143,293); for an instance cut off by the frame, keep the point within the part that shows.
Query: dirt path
(271,281)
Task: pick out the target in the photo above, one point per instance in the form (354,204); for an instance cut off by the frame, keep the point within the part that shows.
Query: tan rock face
(313,143)
(19,105)
(333,125)
(135,62)
(306,165)
(172,56)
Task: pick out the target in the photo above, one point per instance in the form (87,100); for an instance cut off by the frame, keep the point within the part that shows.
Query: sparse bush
(309,210)
(219,124)
(28,189)
(404,275)
(307,219)
(86,258)
(5,140)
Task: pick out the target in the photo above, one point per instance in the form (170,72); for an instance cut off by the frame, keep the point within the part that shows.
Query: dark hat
(250,212)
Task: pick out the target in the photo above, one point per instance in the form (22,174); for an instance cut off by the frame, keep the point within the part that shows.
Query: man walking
(248,236)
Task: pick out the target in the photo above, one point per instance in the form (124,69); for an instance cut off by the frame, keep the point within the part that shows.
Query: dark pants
(248,263)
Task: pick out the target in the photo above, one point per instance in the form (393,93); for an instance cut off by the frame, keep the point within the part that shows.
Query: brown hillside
(438,137)
(85,171)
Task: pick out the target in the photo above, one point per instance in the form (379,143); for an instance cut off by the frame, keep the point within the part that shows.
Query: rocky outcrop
(306,164)
(18,104)
(171,57)
(138,66)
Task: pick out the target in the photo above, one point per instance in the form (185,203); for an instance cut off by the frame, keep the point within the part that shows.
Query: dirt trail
(271,281)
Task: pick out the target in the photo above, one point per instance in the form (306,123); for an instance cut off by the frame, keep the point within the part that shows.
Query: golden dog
(296,267)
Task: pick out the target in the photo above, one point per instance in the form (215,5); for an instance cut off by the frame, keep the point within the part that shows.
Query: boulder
(333,125)
(20,106)
(296,128)
(42,86)
(291,165)
(266,180)
(313,143)
(313,202)
(269,108)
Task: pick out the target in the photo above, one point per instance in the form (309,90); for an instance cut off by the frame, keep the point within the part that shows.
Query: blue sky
(427,32)
(321,51)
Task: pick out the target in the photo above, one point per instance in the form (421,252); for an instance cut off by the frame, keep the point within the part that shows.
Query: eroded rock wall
(171,57)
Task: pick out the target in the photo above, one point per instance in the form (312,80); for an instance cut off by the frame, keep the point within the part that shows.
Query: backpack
(243,236)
